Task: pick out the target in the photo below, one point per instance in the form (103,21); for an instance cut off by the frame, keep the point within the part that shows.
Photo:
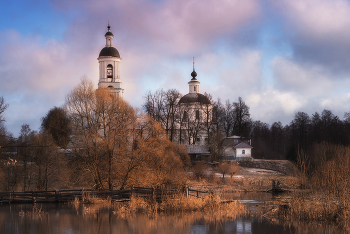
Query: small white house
(236,147)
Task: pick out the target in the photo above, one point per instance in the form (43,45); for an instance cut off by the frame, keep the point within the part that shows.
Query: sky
(281,56)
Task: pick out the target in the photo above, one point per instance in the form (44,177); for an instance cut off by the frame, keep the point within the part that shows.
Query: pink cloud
(320,20)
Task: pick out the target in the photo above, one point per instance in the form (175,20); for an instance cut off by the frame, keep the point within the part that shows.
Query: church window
(243,151)
(198,139)
(194,88)
(197,114)
(185,117)
(109,71)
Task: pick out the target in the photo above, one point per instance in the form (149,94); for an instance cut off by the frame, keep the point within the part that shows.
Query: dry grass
(326,170)
(211,205)
(308,207)
(91,204)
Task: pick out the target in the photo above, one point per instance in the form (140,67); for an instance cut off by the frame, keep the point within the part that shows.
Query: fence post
(197,193)
(33,198)
(57,193)
(186,191)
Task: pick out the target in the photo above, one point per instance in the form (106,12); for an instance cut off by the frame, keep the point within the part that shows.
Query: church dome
(194,97)
(109,51)
(109,33)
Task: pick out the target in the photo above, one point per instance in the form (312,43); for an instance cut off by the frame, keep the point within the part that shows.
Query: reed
(314,208)
(211,205)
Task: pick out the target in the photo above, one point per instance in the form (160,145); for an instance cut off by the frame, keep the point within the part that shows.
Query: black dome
(109,34)
(109,51)
(194,97)
(194,74)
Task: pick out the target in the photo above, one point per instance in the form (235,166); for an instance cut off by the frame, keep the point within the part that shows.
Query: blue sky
(279,56)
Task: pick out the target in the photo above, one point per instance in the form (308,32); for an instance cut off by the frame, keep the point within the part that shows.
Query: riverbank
(252,176)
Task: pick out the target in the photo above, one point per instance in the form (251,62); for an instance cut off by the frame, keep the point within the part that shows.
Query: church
(194,111)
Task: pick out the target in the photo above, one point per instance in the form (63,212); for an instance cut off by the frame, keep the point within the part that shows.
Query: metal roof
(243,145)
(109,51)
(194,97)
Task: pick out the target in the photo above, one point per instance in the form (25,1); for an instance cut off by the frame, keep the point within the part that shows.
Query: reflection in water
(244,227)
(62,218)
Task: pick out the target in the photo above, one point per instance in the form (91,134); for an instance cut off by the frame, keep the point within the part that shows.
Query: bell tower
(193,85)
(109,62)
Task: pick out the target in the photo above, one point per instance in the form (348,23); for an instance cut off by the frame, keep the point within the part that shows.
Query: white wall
(247,153)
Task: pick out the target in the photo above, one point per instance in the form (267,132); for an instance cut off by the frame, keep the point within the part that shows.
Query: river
(85,219)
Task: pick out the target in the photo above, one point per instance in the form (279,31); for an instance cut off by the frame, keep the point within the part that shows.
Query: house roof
(236,141)
(229,142)
(243,145)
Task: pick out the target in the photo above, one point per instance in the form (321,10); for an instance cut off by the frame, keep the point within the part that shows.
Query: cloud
(173,27)
(305,78)
(229,76)
(239,49)
(318,31)
(272,105)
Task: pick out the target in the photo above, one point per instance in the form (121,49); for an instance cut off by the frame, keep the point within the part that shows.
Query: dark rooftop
(194,97)
(109,34)
(109,51)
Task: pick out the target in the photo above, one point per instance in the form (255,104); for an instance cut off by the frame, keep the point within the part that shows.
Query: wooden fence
(82,194)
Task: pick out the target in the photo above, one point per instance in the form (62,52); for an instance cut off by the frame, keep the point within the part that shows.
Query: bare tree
(242,116)
(96,132)
(25,154)
(51,170)
(113,144)
(162,107)
(3,107)
(227,168)
(226,118)
(209,125)
(190,123)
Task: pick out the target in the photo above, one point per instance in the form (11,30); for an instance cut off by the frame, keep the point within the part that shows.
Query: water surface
(70,219)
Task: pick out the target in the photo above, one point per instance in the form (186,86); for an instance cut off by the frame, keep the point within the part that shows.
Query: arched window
(185,116)
(109,71)
(197,114)
(194,88)
(243,151)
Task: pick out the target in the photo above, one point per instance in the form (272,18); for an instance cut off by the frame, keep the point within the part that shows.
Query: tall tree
(56,122)
(162,107)
(226,118)
(242,118)
(113,144)
(25,153)
(51,169)
(3,107)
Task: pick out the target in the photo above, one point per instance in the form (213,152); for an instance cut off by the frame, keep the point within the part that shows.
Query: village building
(237,147)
